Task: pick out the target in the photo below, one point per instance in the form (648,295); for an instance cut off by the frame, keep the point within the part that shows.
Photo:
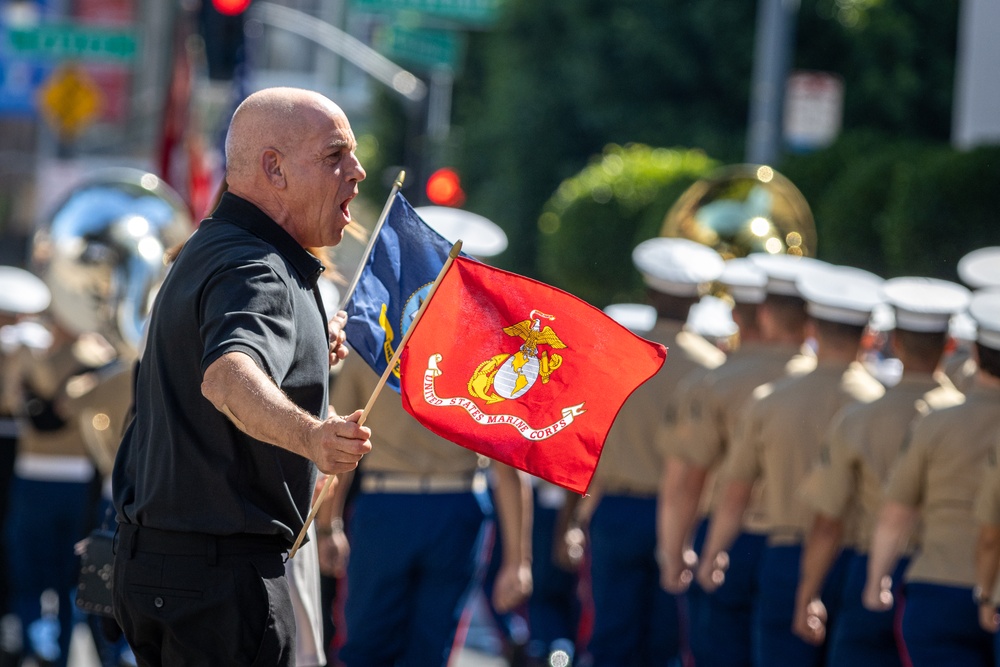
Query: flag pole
(452,254)
(397,184)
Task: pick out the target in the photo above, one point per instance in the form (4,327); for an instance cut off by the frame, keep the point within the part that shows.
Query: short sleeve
(987,504)
(695,426)
(248,308)
(906,480)
(829,486)
(742,461)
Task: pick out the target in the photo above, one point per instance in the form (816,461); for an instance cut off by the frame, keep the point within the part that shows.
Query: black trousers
(195,599)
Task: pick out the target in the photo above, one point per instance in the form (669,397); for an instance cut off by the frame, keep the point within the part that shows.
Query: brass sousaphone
(740,209)
(101,253)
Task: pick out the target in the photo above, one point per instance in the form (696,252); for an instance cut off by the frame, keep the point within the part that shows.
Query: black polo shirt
(241,283)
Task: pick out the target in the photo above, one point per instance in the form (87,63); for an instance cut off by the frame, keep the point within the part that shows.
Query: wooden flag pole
(452,254)
(371,240)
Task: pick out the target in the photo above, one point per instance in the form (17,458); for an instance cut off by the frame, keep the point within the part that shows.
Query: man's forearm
(514,513)
(238,388)
(894,527)
(332,510)
(987,560)
(821,547)
(680,493)
(726,523)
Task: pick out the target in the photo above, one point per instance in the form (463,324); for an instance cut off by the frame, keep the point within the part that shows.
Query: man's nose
(359,172)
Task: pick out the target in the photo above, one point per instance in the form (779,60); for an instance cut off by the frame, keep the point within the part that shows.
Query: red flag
(521,372)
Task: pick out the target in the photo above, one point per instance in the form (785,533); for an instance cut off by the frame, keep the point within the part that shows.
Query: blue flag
(404,261)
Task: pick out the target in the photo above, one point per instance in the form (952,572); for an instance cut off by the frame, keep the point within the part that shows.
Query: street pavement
(83,654)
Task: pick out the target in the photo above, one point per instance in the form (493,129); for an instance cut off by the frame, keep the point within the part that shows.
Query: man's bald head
(291,153)
(270,118)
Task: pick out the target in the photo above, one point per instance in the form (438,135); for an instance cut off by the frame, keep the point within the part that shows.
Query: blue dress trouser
(776,645)
(941,627)
(512,625)
(636,622)
(721,621)
(45,520)
(415,561)
(554,608)
(864,638)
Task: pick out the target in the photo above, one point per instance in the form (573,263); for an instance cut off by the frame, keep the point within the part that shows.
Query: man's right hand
(877,594)
(338,443)
(677,572)
(334,551)
(712,572)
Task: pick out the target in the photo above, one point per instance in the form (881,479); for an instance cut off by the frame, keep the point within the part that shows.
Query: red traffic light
(230,7)
(444,188)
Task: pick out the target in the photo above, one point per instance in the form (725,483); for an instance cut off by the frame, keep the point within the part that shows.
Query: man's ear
(274,170)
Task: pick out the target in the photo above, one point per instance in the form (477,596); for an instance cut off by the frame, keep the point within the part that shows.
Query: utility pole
(975,121)
(773,48)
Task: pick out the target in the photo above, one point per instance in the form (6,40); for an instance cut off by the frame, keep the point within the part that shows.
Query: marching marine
(772,318)
(935,481)
(635,620)
(779,439)
(845,488)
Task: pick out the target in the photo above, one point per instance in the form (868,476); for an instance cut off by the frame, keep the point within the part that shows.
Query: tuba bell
(745,208)
(101,253)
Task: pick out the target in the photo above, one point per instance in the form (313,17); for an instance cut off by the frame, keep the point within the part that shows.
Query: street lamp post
(773,47)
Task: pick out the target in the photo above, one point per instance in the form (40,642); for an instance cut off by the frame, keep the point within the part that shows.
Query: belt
(628,491)
(133,538)
(400,482)
(784,537)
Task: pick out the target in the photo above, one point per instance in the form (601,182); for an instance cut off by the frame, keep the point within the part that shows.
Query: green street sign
(476,12)
(72,41)
(420,47)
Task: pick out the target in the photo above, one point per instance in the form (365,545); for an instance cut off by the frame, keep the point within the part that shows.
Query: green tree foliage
(847,187)
(596,217)
(899,207)
(897,58)
(558,80)
(555,81)
(940,208)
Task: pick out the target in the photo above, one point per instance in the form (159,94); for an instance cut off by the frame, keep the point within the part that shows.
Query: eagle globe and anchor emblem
(505,376)
(508,376)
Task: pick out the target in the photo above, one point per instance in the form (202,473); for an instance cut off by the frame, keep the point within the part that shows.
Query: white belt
(399,482)
(54,468)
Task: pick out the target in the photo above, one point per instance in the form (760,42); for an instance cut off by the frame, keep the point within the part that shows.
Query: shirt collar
(242,213)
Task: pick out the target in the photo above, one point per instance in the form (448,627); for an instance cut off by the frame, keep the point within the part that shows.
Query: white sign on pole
(814,108)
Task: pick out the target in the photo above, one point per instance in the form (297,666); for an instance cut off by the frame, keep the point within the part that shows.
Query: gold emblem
(505,376)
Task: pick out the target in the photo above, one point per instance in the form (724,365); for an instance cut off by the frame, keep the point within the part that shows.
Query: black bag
(93,595)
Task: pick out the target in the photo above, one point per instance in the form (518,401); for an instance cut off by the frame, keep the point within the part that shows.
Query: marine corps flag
(521,372)
(403,263)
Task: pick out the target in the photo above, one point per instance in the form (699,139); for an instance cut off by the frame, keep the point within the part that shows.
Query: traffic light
(444,188)
(221,23)
(230,7)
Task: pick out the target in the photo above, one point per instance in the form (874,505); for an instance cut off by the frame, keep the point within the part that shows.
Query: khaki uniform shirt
(632,458)
(47,374)
(103,408)
(710,411)
(939,473)
(400,444)
(862,445)
(987,503)
(780,437)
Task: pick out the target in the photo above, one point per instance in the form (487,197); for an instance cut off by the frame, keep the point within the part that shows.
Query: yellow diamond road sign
(70,100)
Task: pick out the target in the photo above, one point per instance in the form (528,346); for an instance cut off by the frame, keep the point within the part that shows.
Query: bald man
(215,474)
